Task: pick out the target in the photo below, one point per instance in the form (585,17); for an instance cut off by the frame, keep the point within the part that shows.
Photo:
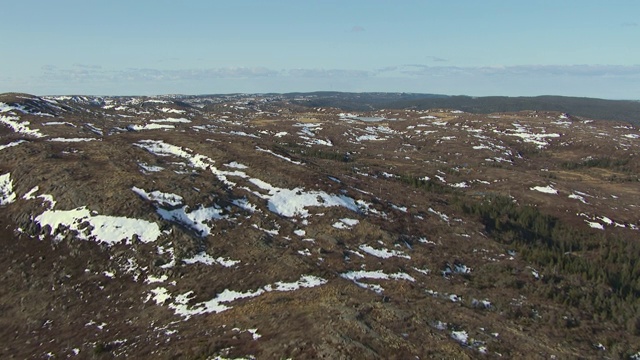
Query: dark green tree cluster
(328,155)
(427,185)
(583,269)
(603,163)
(301,151)
(598,274)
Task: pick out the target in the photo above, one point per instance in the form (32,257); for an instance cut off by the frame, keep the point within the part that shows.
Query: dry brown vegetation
(500,195)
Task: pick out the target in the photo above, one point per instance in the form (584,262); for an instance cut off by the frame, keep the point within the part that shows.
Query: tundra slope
(251,226)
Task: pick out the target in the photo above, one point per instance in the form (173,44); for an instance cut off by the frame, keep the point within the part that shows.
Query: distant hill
(601,109)
(358,101)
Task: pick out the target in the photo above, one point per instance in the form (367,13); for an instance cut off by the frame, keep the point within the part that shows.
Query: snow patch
(164,199)
(150,168)
(171,120)
(7,196)
(58,139)
(460,336)
(19,127)
(100,228)
(279,156)
(355,276)
(156,279)
(346,223)
(207,259)
(149,127)
(236,165)
(11,144)
(578,197)
(383,253)
(182,308)
(545,189)
(595,225)
(196,219)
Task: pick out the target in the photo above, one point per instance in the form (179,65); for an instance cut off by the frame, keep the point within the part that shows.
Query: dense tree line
(593,272)
(604,162)
(589,270)
(300,151)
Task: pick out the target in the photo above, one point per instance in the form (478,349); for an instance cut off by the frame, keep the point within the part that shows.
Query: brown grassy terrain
(458,235)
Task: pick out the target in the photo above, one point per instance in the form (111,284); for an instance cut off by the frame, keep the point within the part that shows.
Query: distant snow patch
(242,133)
(29,194)
(218,303)
(149,127)
(12,144)
(595,225)
(578,197)
(19,127)
(155,279)
(159,295)
(369,138)
(195,219)
(383,253)
(164,199)
(442,216)
(236,165)
(279,156)
(46,197)
(244,204)
(292,202)
(51,123)
(59,139)
(170,110)
(150,168)
(460,336)
(356,276)
(345,223)
(458,268)
(171,120)
(545,189)
(7,196)
(207,259)
(100,228)
(163,149)
(538,139)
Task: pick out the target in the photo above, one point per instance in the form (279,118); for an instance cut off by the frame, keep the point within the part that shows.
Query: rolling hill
(320,225)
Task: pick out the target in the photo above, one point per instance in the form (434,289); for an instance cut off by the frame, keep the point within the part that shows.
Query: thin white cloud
(437,59)
(522,70)
(386,69)
(329,73)
(99,74)
(96,73)
(609,81)
(87,66)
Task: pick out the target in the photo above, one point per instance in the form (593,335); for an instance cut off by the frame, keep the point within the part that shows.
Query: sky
(455,47)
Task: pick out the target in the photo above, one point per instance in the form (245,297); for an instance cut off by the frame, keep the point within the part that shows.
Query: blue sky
(471,47)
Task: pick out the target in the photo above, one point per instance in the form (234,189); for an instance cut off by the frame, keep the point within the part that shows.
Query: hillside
(259,226)
(601,109)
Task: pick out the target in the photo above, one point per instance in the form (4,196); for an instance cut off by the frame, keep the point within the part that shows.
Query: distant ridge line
(592,108)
